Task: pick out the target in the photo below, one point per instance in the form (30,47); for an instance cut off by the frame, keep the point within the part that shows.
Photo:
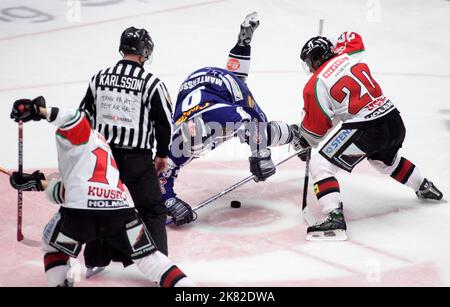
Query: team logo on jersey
(334,67)
(233,64)
(385,108)
(188,113)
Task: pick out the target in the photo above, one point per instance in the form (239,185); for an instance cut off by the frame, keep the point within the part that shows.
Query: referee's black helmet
(136,41)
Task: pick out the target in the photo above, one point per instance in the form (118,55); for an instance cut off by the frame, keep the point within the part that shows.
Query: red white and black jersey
(89,178)
(342,88)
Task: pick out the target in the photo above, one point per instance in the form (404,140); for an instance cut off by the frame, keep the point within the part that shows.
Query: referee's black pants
(138,173)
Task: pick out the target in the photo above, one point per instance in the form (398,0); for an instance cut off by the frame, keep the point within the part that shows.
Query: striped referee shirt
(130,107)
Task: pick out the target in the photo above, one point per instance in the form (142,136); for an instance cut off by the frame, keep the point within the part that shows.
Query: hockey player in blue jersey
(214,105)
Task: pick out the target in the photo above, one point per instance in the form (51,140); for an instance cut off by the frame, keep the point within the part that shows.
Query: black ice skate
(332,229)
(249,25)
(428,190)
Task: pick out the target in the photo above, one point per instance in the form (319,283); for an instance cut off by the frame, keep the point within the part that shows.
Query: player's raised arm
(72,125)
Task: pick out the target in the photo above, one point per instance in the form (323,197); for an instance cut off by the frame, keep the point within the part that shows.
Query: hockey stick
(307,216)
(20,236)
(234,186)
(19,193)
(5,171)
(306,182)
(24,240)
(321,22)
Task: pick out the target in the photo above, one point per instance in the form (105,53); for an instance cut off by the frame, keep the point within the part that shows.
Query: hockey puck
(235,204)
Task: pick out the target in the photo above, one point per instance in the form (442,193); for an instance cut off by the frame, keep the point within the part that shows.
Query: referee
(132,109)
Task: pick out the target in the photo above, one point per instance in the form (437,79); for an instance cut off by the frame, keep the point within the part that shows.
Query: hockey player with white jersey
(342,89)
(213,106)
(94,204)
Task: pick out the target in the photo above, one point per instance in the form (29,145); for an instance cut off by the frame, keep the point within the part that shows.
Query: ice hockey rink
(53,47)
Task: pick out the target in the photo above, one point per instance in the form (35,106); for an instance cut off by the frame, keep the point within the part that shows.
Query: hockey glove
(180,211)
(299,142)
(27,182)
(261,165)
(26,109)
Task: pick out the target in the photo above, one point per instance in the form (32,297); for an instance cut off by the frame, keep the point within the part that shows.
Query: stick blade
(5,171)
(29,242)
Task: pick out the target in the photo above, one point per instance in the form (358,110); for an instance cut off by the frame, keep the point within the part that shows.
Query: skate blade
(94,271)
(332,235)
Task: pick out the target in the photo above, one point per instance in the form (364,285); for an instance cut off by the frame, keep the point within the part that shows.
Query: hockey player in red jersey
(94,204)
(342,89)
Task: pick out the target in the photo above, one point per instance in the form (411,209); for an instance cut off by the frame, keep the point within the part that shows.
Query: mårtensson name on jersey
(203,79)
(127,83)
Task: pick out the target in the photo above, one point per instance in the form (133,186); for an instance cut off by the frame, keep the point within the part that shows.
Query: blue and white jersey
(218,89)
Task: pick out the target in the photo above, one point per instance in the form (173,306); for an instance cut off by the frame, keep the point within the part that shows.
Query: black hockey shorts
(138,174)
(378,140)
(121,230)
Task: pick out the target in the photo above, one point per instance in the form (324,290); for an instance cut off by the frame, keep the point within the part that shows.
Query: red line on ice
(112,20)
